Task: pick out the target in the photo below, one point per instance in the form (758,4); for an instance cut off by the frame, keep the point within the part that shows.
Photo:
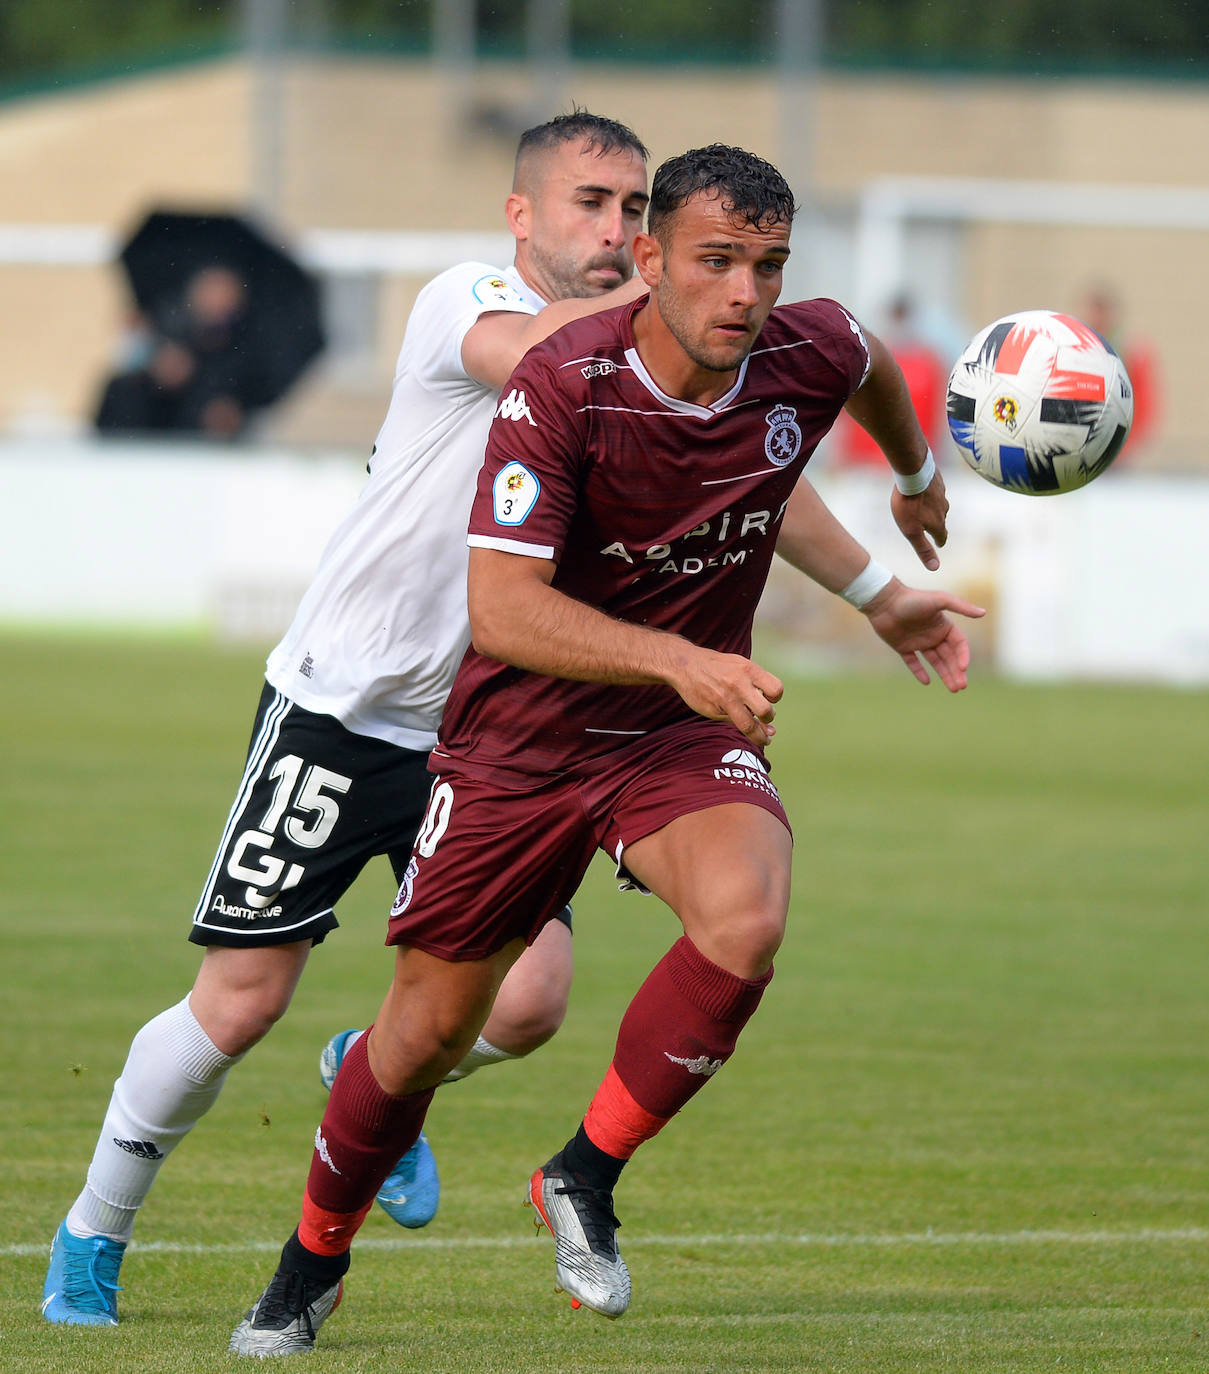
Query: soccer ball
(1039,403)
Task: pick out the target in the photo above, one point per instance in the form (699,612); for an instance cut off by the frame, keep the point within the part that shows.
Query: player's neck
(526,269)
(671,368)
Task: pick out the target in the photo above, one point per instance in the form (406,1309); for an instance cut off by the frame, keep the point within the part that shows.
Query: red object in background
(926,377)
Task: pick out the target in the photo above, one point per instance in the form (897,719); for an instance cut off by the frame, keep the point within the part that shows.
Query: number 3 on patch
(514,491)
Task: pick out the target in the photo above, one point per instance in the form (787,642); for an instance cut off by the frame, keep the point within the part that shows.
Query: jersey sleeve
(842,341)
(529,483)
(447,309)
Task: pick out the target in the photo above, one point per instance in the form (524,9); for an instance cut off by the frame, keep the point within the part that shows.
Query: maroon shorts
(492,862)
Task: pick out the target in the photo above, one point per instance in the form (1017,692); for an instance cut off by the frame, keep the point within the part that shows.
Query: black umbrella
(283,322)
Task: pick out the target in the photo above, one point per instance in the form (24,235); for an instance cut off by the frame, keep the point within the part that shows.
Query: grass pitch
(966,1130)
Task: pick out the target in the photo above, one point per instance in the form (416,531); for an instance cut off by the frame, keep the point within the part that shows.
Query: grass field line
(1187,1235)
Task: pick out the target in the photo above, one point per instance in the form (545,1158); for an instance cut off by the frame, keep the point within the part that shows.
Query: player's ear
(648,258)
(518,212)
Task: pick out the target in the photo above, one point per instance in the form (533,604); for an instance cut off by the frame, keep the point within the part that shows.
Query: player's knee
(413,1062)
(521,1029)
(240,994)
(238,1017)
(238,1025)
(744,941)
(760,934)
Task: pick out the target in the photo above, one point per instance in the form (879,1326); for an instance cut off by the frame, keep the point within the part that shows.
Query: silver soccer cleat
(286,1317)
(587,1261)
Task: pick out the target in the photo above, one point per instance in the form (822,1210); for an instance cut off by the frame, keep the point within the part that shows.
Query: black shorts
(315,804)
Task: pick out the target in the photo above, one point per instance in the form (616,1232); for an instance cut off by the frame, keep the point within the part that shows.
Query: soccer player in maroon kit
(643,466)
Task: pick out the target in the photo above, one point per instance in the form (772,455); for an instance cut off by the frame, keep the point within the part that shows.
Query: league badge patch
(496,291)
(514,492)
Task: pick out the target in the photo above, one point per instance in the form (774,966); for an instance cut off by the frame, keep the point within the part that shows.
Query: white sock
(484,1052)
(172,1077)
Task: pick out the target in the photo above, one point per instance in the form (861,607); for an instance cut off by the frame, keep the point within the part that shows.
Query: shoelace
(100,1274)
(292,1298)
(595,1212)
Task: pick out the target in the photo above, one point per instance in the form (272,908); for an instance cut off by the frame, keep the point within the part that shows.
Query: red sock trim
(615,1123)
(328,1233)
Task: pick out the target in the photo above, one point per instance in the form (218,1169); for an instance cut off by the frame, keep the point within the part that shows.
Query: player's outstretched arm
(882,405)
(496,342)
(519,618)
(915,625)
(912,622)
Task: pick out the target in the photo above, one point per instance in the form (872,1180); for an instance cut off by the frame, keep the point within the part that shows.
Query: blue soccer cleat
(332,1056)
(412,1190)
(81,1287)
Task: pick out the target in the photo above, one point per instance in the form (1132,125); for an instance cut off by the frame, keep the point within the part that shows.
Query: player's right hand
(731,687)
(923,520)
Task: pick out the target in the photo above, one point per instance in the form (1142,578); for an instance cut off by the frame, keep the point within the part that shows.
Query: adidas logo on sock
(144,1149)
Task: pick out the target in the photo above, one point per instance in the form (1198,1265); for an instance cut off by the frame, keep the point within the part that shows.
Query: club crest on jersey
(515,406)
(514,493)
(495,291)
(783,441)
(403,900)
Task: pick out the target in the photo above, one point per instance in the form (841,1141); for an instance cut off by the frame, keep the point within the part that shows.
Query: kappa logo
(604,368)
(322,1151)
(703,1065)
(514,406)
(783,442)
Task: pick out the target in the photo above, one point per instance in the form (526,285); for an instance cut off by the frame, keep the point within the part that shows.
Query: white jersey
(382,628)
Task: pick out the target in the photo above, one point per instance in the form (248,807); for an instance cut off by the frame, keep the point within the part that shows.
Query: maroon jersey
(658,511)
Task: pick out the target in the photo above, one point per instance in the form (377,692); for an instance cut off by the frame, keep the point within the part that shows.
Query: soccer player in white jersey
(336,770)
(641,471)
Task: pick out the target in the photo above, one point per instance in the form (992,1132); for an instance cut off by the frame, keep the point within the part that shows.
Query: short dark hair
(595,131)
(751,190)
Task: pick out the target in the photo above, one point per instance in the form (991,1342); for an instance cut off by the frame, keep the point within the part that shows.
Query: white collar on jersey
(674,402)
(525,291)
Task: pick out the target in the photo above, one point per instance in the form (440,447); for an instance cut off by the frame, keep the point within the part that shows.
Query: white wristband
(866,584)
(912,483)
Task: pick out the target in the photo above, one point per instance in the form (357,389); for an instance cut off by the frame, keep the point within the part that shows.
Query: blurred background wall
(984,166)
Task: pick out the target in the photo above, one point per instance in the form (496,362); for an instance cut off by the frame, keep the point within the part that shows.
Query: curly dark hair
(604,135)
(752,191)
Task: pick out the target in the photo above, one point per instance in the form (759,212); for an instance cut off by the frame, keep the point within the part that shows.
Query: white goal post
(888,205)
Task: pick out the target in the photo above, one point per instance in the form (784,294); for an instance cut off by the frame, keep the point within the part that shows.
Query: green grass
(965,1132)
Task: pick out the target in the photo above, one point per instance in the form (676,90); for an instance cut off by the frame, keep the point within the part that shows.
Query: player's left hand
(914,624)
(922,520)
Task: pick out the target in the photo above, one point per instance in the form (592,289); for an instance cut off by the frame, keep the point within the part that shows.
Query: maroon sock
(360,1140)
(678,1031)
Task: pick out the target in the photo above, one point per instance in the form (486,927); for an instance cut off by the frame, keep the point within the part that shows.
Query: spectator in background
(926,376)
(1101,308)
(191,371)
